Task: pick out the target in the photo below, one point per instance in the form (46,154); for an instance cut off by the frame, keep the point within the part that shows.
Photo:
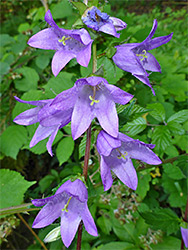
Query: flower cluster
(89,98)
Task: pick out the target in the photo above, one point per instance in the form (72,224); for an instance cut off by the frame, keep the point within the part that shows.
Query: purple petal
(84,35)
(184,233)
(152,32)
(76,189)
(118,23)
(50,212)
(88,221)
(105,173)
(28,117)
(41,202)
(84,56)
(50,141)
(126,60)
(140,151)
(158,41)
(45,39)
(151,63)
(35,103)
(124,138)
(145,80)
(126,172)
(95,80)
(109,29)
(40,134)
(106,112)
(49,19)
(83,114)
(60,59)
(70,221)
(118,95)
(106,143)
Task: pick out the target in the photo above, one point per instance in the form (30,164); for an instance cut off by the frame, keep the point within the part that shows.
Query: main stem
(87,151)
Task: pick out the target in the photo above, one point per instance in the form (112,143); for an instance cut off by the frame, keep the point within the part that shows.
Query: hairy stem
(87,151)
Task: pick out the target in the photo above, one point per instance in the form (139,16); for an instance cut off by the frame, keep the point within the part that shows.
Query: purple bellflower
(89,98)
(99,21)
(32,116)
(136,59)
(67,43)
(116,154)
(184,233)
(69,203)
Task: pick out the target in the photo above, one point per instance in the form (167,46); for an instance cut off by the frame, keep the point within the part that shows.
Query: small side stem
(87,151)
(186,220)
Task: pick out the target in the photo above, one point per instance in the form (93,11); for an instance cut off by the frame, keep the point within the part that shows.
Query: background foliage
(148,218)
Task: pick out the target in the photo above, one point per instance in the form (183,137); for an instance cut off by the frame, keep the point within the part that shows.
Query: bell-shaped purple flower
(116,155)
(69,203)
(67,43)
(136,59)
(32,116)
(184,233)
(99,21)
(89,98)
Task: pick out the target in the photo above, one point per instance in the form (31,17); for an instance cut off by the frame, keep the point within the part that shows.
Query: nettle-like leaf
(12,140)
(143,184)
(161,137)
(135,127)
(64,149)
(175,127)
(13,187)
(158,111)
(179,117)
(173,171)
(162,218)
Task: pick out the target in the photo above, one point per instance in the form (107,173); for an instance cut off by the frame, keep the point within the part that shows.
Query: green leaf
(6,39)
(116,245)
(163,218)
(179,117)
(61,10)
(158,111)
(29,80)
(105,223)
(58,84)
(45,182)
(64,149)
(175,128)
(161,137)
(168,243)
(4,68)
(143,184)
(13,187)
(135,127)
(12,140)
(80,6)
(42,61)
(173,172)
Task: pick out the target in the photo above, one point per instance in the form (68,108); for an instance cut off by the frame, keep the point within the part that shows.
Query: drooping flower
(89,98)
(136,59)
(69,203)
(184,233)
(67,43)
(116,155)
(100,21)
(32,116)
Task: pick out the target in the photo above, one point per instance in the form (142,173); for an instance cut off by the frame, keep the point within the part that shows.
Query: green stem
(17,209)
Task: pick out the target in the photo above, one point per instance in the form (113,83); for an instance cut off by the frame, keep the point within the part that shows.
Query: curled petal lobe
(145,80)
(152,32)
(50,141)
(84,56)
(118,23)
(28,117)
(158,41)
(41,202)
(109,28)
(35,103)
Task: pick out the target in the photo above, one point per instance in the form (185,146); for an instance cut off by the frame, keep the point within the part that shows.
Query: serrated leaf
(42,61)
(12,140)
(163,218)
(161,137)
(135,127)
(179,117)
(124,112)
(158,111)
(175,127)
(143,184)
(105,223)
(64,149)
(13,187)
(173,172)
(29,79)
